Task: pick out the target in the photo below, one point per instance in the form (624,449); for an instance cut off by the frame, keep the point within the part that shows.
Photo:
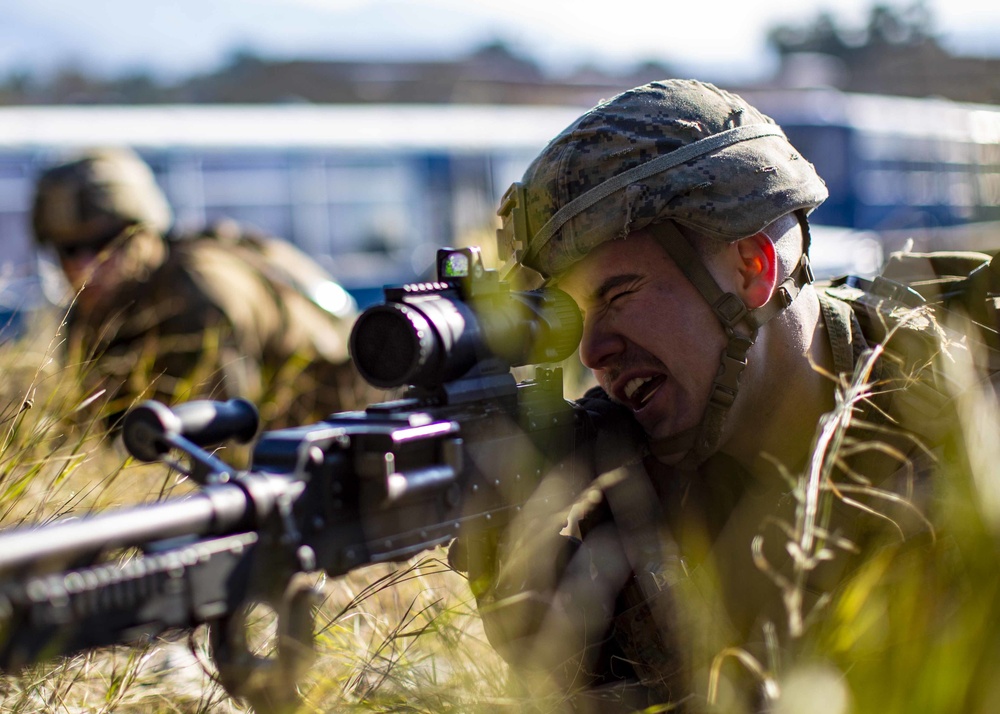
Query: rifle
(458,454)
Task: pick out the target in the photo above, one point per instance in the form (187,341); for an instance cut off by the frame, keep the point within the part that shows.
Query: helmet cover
(678,150)
(97,195)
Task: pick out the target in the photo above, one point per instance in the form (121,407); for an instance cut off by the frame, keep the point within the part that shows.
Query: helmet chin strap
(696,444)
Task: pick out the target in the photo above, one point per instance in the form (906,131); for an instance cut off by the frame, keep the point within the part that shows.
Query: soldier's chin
(670,443)
(669,458)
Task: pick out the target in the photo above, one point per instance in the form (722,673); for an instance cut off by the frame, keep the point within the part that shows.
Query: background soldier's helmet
(95,197)
(679,150)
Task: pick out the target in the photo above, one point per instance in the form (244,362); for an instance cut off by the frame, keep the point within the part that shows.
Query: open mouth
(639,390)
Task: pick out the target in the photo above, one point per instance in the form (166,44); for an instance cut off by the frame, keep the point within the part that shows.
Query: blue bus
(372,191)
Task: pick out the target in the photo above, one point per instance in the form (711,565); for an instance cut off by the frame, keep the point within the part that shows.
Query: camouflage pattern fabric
(98,194)
(220,314)
(209,322)
(712,590)
(731,192)
(664,626)
(910,421)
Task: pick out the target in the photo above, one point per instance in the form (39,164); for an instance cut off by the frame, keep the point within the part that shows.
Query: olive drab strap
(701,441)
(849,347)
(838,319)
(645,622)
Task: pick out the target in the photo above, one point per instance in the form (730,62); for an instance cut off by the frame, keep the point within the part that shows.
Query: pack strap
(837,318)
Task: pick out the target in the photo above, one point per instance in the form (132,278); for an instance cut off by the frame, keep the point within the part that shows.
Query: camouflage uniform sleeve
(295,351)
(159,340)
(578,607)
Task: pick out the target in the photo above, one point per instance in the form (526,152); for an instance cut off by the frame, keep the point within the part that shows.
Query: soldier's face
(649,337)
(93,274)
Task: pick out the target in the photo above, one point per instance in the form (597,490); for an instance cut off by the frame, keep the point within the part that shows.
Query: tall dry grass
(390,638)
(916,628)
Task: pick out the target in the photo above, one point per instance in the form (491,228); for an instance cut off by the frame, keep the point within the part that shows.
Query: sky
(719,39)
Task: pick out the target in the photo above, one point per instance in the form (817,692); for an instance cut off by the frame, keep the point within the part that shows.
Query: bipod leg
(269,684)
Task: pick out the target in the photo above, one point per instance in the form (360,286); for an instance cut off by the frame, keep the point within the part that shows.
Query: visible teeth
(634,384)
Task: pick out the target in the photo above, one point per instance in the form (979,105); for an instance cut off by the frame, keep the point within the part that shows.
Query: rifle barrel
(215,509)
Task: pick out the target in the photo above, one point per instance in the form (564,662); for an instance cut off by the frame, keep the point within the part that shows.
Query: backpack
(921,307)
(950,284)
(284,264)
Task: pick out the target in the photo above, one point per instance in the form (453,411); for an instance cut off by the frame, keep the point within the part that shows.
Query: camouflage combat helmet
(95,197)
(676,151)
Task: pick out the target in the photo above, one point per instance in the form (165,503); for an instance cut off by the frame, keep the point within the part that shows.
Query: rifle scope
(427,334)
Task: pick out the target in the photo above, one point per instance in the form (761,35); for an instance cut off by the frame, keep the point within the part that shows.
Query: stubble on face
(659,352)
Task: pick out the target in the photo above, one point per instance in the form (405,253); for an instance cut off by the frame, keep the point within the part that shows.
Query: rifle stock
(457,457)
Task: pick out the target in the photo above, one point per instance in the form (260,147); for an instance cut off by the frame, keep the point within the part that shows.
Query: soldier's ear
(758,267)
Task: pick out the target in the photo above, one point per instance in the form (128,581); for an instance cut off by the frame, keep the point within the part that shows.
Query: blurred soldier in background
(218,314)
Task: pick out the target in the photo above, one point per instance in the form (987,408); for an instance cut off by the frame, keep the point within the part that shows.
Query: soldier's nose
(599,344)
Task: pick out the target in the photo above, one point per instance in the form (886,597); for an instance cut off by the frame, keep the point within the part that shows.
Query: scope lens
(439,337)
(385,344)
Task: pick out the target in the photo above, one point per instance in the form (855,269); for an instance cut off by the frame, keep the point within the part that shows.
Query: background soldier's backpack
(284,264)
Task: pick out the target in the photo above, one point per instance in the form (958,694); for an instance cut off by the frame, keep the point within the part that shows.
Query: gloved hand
(543,594)
(515,592)
(548,606)
(618,439)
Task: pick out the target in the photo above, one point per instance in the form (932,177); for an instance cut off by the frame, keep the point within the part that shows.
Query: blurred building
(373,190)
(913,65)
(372,165)
(493,74)
(370,191)
(926,170)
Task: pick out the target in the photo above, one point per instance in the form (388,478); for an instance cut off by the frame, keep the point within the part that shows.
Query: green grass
(390,638)
(915,629)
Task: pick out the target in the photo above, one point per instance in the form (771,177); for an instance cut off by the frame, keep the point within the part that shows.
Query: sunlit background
(371,132)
